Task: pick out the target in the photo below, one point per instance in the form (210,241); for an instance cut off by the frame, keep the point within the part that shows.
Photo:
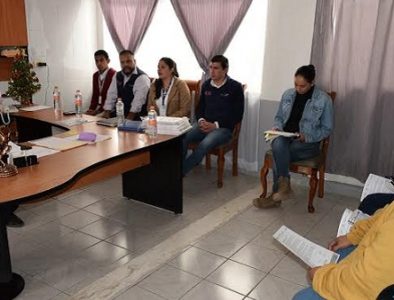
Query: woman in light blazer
(168,94)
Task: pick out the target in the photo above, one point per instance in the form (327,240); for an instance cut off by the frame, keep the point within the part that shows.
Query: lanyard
(164,92)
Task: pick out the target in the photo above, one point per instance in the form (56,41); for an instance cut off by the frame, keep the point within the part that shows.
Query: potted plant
(23,82)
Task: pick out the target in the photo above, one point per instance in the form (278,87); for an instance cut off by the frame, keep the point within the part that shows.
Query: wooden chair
(309,167)
(222,150)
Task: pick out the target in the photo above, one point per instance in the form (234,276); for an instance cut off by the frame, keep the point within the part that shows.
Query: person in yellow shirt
(366,265)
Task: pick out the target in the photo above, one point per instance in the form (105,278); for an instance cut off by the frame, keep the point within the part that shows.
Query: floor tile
(237,277)
(107,207)
(208,291)
(291,269)
(135,239)
(103,228)
(197,262)
(82,199)
(137,293)
(258,257)
(274,288)
(79,219)
(37,290)
(220,244)
(103,253)
(169,282)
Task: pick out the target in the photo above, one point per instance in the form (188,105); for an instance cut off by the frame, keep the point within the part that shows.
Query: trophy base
(8,170)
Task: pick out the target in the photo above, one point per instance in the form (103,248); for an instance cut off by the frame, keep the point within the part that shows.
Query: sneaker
(15,221)
(284,190)
(267,202)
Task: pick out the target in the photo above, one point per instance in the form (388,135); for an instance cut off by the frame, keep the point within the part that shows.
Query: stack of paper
(310,253)
(349,218)
(172,125)
(56,143)
(270,135)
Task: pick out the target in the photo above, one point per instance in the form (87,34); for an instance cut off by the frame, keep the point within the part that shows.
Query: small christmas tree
(23,82)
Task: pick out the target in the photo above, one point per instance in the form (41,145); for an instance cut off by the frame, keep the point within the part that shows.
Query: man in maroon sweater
(101,82)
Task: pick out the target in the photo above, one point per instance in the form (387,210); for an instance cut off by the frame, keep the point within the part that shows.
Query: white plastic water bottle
(57,104)
(120,111)
(78,103)
(151,127)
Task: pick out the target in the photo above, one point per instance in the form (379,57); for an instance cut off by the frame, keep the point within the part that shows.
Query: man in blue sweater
(220,108)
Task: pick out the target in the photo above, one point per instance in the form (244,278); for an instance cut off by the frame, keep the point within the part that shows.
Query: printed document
(270,135)
(310,253)
(377,184)
(349,218)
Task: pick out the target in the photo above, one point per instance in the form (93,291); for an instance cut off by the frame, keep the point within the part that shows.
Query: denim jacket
(317,119)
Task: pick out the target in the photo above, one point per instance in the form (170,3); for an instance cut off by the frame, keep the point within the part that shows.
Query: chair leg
(312,191)
(320,192)
(220,168)
(208,161)
(263,178)
(235,161)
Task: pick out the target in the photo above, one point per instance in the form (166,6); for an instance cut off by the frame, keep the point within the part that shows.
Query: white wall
(288,43)
(63,34)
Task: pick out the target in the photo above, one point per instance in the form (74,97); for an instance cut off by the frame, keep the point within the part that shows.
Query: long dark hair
(158,82)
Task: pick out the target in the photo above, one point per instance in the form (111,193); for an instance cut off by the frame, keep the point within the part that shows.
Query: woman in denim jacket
(307,111)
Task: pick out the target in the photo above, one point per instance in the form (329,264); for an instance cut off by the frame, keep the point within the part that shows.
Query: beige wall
(288,43)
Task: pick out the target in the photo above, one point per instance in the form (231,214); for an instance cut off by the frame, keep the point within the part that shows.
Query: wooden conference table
(151,171)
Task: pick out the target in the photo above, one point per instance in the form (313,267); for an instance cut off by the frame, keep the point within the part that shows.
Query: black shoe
(15,221)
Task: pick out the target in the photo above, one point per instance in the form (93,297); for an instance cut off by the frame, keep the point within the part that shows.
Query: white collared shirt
(140,90)
(159,101)
(220,85)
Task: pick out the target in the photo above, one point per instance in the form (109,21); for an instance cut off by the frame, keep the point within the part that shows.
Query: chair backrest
(326,141)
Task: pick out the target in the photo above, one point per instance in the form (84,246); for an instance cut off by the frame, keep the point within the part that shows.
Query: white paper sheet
(376,184)
(57,143)
(312,254)
(349,218)
(270,135)
(34,107)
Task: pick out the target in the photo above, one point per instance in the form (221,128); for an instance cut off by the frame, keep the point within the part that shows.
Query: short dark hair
(308,72)
(123,52)
(101,53)
(220,59)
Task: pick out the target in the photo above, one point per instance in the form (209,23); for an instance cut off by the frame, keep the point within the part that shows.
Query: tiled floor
(240,260)
(71,241)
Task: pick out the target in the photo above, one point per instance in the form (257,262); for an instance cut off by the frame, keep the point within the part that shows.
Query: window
(165,37)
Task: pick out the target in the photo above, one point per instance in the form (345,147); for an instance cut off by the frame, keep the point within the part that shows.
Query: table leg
(11,284)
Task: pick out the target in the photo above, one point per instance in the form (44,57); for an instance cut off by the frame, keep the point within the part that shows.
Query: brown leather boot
(284,190)
(267,202)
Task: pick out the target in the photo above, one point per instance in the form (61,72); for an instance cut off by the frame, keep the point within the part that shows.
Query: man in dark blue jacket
(220,108)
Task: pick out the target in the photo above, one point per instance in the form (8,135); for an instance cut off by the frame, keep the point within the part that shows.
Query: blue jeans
(373,202)
(309,293)
(286,150)
(207,141)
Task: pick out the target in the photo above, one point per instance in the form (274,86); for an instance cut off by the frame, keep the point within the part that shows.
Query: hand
(206,127)
(339,243)
(106,114)
(311,272)
(274,129)
(130,116)
(301,137)
(91,112)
